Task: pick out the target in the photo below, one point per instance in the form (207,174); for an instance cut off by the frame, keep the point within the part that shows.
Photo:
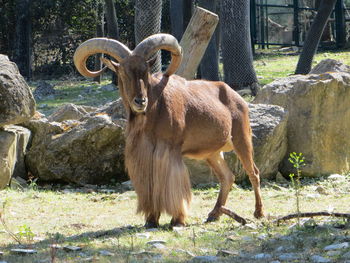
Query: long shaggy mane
(158,174)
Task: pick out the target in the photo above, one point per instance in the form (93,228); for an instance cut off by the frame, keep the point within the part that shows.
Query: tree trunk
(209,67)
(23,38)
(236,44)
(99,33)
(177,18)
(187,12)
(148,14)
(112,26)
(313,36)
(112,22)
(195,41)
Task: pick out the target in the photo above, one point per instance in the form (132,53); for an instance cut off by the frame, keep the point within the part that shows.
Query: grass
(270,65)
(96,221)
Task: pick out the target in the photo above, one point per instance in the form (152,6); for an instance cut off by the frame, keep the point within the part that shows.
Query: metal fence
(286,22)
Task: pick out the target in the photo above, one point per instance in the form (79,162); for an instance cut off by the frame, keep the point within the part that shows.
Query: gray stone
(262,256)
(71,248)
(13,144)
(320,259)
(275,261)
(109,87)
(336,177)
(128,185)
(314,103)
(330,65)
(200,259)
(321,190)
(337,246)
(89,151)
(17,103)
(106,253)
(113,109)
(346,255)
(68,112)
(159,246)
(23,251)
(44,89)
(226,253)
(281,179)
(289,256)
(156,242)
(333,253)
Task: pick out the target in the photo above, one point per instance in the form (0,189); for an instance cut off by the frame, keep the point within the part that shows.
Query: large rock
(268,124)
(85,151)
(16,100)
(330,65)
(69,111)
(13,144)
(319,119)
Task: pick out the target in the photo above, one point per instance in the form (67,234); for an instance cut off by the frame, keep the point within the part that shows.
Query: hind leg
(245,154)
(226,179)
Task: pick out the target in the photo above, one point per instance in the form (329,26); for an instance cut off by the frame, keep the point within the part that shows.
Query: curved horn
(153,43)
(93,46)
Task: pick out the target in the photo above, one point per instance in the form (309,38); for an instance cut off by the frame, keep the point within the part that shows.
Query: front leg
(152,220)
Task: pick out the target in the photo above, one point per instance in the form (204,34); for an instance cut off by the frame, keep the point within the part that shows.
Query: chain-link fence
(148,14)
(236,48)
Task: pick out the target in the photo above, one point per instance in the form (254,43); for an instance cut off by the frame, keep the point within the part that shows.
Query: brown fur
(198,119)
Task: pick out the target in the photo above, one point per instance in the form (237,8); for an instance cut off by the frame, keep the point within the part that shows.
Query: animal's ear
(114,66)
(151,61)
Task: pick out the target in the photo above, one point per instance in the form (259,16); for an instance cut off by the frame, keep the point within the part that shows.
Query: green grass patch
(98,222)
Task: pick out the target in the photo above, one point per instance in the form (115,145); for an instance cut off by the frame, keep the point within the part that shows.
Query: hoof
(151,225)
(212,219)
(259,214)
(174,223)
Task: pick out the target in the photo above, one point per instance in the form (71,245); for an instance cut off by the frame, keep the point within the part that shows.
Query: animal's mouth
(139,108)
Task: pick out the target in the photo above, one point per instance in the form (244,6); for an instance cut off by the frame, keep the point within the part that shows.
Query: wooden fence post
(195,41)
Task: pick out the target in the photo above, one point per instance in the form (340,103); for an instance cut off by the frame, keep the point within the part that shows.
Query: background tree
(148,15)
(22,50)
(313,36)
(112,22)
(99,33)
(209,67)
(177,18)
(236,44)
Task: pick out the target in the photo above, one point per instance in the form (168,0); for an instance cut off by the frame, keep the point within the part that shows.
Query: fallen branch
(311,214)
(233,215)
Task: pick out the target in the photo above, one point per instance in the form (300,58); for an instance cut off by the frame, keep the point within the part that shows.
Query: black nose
(140,101)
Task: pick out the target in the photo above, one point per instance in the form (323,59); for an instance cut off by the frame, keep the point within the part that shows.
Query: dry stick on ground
(311,214)
(233,215)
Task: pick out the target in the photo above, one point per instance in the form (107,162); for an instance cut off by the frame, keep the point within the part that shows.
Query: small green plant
(25,233)
(298,161)
(32,183)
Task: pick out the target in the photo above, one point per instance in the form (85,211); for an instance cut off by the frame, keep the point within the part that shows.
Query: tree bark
(195,41)
(313,37)
(236,44)
(209,67)
(112,26)
(99,33)
(112,22)
(177,18)
(23,38)
(148,15)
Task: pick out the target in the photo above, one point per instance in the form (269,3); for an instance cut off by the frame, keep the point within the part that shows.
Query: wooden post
(195,41)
